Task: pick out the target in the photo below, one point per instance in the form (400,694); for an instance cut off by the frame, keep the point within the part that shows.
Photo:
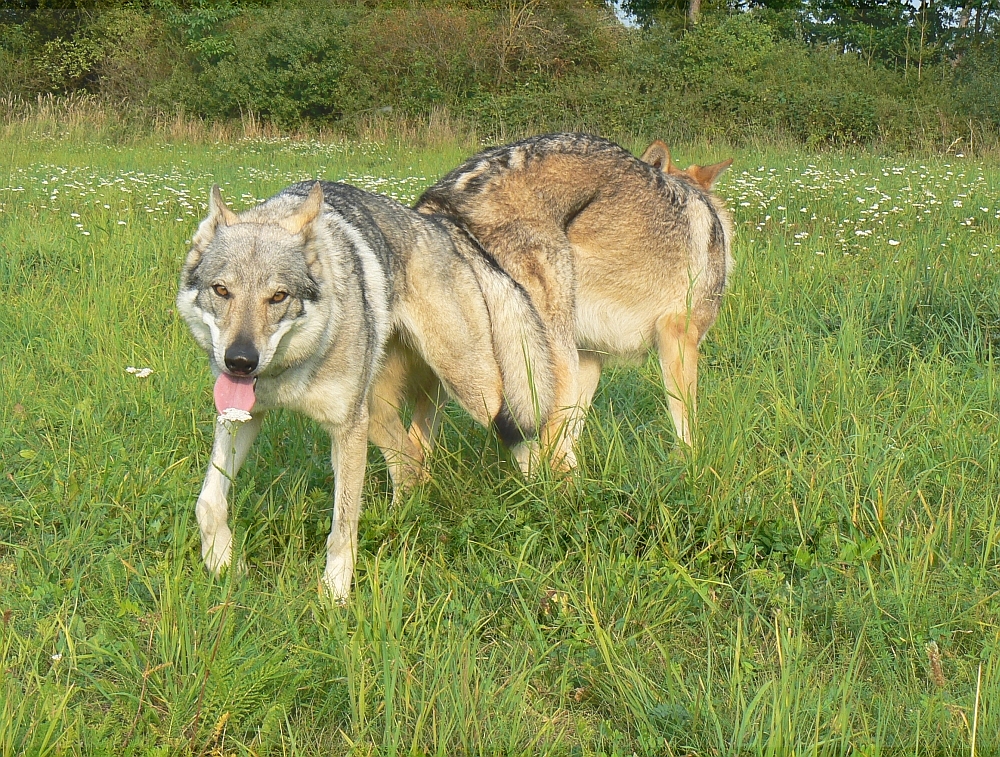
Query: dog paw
(681,453)
(421,475)
(528,456)
(217,551)
(531,457)
(413,477)
(566,464)
(336,583)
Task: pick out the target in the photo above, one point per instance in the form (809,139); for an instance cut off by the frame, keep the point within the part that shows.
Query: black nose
(241,358)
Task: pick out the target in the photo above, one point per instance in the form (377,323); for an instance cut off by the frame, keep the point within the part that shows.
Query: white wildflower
(893,242)
(139,372)
(234,415)
(57,656)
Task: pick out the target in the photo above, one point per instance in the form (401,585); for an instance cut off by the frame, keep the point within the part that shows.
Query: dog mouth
(234,393)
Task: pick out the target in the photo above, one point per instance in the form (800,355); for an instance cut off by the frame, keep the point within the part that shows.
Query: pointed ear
(218,213)
(706,176)
(307,213)
(217,206)
(657,155)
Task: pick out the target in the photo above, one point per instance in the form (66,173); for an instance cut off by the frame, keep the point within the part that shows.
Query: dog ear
(706,176)
(658,156)
(307,213)
(218,208)
(218,213)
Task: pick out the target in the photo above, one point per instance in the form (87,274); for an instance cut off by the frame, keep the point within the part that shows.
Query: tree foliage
(893,31)
(823,71)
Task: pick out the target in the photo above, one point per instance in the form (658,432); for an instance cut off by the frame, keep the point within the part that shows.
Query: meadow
(818,577)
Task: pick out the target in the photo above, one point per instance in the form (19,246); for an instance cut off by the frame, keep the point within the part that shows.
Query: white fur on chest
(328,399)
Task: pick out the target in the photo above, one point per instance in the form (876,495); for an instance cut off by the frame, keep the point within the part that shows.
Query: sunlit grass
(783,590)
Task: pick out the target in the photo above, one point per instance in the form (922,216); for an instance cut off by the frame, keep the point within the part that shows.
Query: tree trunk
(963,23)
(694,11)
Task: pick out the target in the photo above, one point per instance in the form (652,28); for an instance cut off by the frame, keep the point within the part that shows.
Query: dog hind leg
(557,434)
(427,408)
(591,364)
(403,456)
(589,372)
(536,253)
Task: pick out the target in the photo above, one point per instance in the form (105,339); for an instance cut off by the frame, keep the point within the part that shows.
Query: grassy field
(819,577)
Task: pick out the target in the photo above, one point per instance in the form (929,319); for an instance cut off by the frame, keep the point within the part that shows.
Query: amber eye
(279,297)
(220,290)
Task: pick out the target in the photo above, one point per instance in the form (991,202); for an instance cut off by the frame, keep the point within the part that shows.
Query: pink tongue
(236,392)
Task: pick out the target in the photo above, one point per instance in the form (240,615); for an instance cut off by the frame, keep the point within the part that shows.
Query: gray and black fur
(345,305)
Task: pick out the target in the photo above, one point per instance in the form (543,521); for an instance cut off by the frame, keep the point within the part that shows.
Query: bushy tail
(521,348)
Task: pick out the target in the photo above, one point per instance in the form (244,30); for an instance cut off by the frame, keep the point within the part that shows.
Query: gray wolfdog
(342,305)
(619,255)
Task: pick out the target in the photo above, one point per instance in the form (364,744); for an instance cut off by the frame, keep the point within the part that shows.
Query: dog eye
(220,290)
(279,297)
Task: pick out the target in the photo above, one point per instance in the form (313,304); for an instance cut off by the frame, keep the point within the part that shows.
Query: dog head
(249,282)
(658,156)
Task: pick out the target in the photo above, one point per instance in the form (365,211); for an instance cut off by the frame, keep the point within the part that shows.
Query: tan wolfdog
(619,254)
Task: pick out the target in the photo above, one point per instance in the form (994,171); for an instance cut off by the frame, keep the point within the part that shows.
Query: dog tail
(710,233)
(521,348)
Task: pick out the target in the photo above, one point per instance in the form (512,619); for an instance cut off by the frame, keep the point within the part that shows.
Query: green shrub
(504,68)
(16,46)
(978,80)
(731,47)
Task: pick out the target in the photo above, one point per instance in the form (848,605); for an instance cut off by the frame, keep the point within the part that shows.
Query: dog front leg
(677,341)
(591,365)
(349,457)
(557,434)
(232,443)
(402,451)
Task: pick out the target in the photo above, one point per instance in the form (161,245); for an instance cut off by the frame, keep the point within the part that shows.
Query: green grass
(780,592)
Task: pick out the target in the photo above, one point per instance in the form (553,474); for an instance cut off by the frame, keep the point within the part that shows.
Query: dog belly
(619,299)
(613,328)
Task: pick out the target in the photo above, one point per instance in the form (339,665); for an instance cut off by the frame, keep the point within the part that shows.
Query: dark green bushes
(504,68)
